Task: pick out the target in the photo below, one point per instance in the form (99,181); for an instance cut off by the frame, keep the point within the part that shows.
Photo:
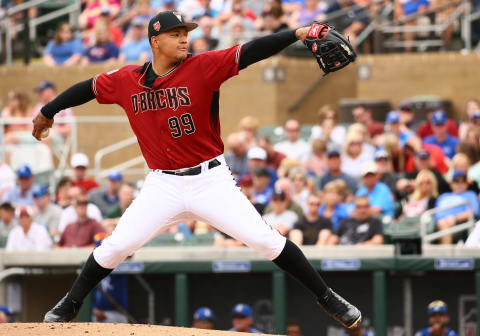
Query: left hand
(40,124)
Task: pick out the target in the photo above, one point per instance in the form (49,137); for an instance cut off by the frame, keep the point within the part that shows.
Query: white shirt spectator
(286,219)
(36,239)
(49,218)
(298,150)
(337,136)
(352,167)
(69,215)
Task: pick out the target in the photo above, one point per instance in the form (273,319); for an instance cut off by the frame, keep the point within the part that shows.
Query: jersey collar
(147,71)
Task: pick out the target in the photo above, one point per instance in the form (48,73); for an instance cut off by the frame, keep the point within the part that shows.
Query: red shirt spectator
(91,13)
(79,163)
(363,115)
(81,232)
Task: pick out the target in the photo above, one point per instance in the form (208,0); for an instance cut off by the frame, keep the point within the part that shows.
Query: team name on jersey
(160,99)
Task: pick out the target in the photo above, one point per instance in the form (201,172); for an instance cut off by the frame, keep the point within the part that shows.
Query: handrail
(23,6)
(427,215)
(110,149)
(373,25)
(428,11)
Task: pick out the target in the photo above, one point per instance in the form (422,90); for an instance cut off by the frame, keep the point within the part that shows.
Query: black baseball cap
(167,20)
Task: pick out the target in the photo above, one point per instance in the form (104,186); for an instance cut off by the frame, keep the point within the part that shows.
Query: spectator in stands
(363,115)
(206,31)
(94,9)
(290,6)
(22,193)
(242,319)
(274,158)
(144,11)
(62,195)
(379,195)
(407,116)
(367,147)
(7,178)
(438,319)
(198,46)
(393,125)
(69,214)
(107,197)
(28,235)
(280,218)
(203,318)
(385,169)
(461,162)
(205,9)
(328,128)
(294,146)
(115,32)
(81,232)
(334,163)
(301,188)
(449,218)
(236,157)
(471,106)
(294,329)
(126,195)
(262,191)
(332,207)
(354,156)
(18,107)
(311,11)
(7,219)
(406,8)
(103,50)
(272,18)
(137,50)
(440,135)
(246,184)
(237,30)
(316,164)
(472,134)
(361,229)
(79,163)
(424,195)
(249,127)
(426,129)
(64,49)
(47,214)
(257,158)
(286,185)
(437,158)
(47,91)
(353,22)
(311,229)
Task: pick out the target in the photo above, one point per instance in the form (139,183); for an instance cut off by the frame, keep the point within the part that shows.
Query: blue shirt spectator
(102,52)
(377,192)
(64,49)
(135,49)
(440,136)
(438,318)
(22,193)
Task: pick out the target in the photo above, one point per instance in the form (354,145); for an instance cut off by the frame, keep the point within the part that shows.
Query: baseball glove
(332,51)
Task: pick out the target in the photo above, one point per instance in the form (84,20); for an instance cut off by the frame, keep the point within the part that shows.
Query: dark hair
(7,206)
(359,198)
(470,150)
(57,37)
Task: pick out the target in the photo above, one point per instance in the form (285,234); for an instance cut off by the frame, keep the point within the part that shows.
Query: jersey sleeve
(104,87)
(218,66)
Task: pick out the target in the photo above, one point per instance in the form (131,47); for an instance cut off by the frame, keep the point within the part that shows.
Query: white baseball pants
(164,200)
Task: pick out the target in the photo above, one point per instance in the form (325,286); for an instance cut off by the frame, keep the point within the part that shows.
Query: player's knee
(270,246)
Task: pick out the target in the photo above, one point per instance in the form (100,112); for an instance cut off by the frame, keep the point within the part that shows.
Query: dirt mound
(104,329)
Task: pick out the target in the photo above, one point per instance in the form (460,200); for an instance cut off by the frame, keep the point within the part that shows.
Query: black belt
(192,171)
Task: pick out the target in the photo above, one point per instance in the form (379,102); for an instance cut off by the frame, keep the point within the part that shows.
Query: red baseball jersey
(177,120)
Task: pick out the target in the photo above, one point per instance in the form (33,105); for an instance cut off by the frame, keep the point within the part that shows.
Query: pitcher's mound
(104,329)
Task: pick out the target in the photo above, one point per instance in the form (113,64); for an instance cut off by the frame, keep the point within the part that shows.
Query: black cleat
(341,310)
(64,311)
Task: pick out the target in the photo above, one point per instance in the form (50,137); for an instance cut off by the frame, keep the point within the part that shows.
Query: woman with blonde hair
(103,50)
(472,107)
(249,127)
(353,156)
(301,190)
(328,128)
(332,207)
(316,164)
(424,195)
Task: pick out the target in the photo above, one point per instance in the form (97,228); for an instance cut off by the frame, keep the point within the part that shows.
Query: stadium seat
(405,234)
(3,241)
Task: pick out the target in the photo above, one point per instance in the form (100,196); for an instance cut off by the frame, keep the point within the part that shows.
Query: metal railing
(429,216)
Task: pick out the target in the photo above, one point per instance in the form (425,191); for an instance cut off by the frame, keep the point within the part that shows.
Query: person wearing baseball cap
(137,50)
(22,193)
(79,163)
(438,319)
(395,126)
(242,319)
(203,318)
(460,214)
(105,198)
(5,314)
(28,235)
(426,129)
(379,195)
(47,214)
(334,172)
(257,158)
(440,136)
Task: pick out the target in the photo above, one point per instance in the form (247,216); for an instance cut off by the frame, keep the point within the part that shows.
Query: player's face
(173,43)
(203,324)
(242,323)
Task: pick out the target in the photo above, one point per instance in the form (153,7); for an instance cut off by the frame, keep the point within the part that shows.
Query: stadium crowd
(114,31)
(340,184)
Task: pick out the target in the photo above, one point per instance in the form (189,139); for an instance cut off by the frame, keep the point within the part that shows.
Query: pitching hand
(40,125)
